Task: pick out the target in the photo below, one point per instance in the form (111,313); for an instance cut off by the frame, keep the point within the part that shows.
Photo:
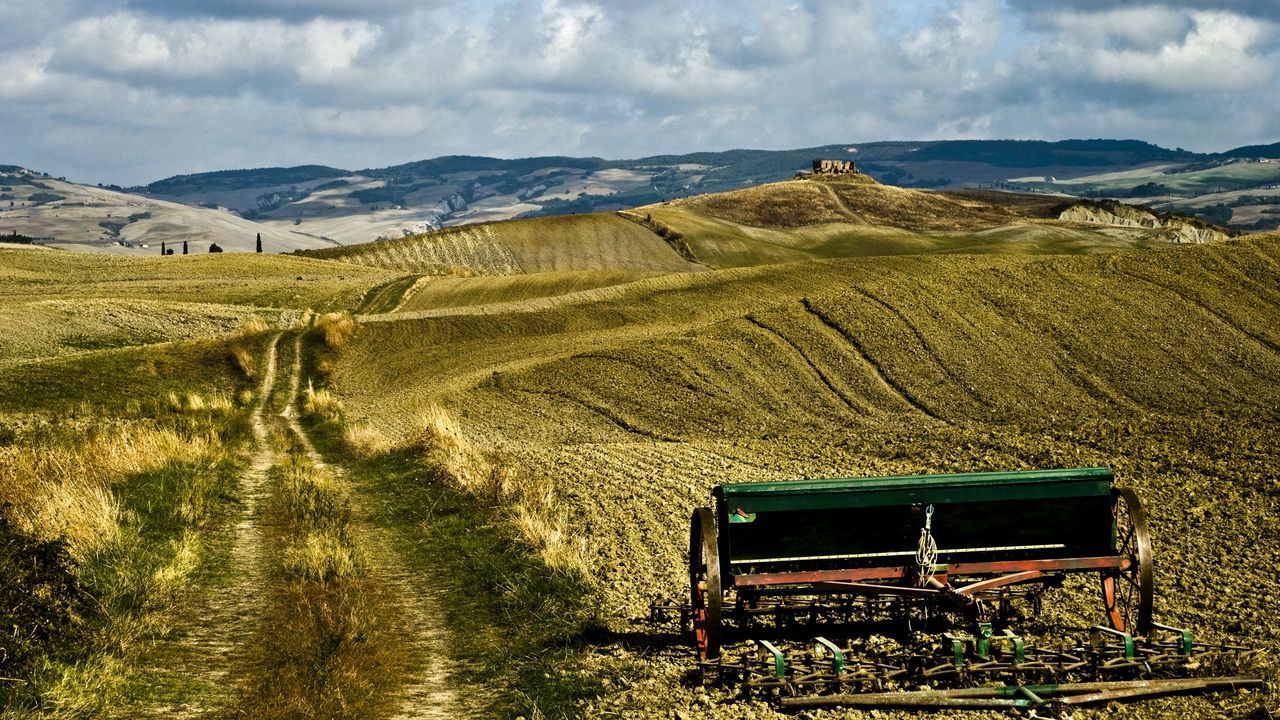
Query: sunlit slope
(470,294)
(1173,330)
(633,403)
(806,219)
(58,303)
(244,279)
(780,222)
(536,245)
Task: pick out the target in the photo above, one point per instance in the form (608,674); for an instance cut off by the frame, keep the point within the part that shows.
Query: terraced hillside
(801,219)
(578,242)
(631,404)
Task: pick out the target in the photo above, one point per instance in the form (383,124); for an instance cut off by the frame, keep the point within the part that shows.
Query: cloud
(1160,49)
(291,10)
(1261,9)
(189,86)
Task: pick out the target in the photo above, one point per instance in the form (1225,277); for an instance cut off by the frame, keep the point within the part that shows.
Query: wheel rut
(211,636)
(418,602)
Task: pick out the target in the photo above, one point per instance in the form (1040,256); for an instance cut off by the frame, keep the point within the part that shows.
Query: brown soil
(1164,365)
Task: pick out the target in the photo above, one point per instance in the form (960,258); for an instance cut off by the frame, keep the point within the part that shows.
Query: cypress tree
(184,247)
(162,252)
(259,242)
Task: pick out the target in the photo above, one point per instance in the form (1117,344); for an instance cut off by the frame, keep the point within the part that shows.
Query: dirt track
(418,619)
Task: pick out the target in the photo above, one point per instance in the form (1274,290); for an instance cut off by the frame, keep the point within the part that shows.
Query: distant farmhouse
(834,167)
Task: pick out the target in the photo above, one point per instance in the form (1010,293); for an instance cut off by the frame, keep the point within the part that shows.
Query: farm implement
(904,592)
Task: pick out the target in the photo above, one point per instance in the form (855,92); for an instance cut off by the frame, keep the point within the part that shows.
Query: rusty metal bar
(902,572)
(857,588)
(1000,581)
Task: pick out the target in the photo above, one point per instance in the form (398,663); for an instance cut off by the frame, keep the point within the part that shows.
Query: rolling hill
(315,206)
(801,219)
(613,367)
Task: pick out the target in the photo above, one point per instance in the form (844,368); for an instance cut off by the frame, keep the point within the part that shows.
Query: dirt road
(213,660)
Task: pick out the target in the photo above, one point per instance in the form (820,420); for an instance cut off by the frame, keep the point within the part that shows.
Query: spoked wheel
(704,584)
(1127,592)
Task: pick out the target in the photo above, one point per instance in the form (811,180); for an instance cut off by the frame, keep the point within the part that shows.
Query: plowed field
(633,402)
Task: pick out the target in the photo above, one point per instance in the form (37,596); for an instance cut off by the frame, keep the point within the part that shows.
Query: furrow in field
(886,381)
(824,377)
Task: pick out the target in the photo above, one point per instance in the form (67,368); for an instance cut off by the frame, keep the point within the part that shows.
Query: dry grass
(59,487)
(365,440)
(337,328)
(243,343)
(548,531)
(323,555)
(318,509)
(321,403)
(535,511)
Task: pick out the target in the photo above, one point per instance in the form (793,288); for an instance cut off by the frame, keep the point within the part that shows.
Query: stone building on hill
(834,167)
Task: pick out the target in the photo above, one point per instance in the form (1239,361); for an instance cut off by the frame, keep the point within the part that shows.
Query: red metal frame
(904,572)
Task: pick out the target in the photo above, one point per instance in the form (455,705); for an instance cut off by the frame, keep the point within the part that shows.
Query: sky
(131,91)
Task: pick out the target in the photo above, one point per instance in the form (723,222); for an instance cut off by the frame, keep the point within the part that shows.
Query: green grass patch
(116,380)
(385,297)
(516,624)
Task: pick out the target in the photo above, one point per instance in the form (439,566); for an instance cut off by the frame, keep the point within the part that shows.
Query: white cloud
(1165,50)
(206,85)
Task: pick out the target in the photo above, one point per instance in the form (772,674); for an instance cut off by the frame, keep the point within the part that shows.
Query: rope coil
(926,548)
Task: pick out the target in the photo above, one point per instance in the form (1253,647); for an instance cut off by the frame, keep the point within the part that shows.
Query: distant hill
(808,218)
(402,200)
(320,206)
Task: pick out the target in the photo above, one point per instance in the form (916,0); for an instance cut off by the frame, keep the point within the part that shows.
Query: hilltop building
(834,167)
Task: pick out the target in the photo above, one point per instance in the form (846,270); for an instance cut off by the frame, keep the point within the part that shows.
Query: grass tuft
(323,555)
(336,328)
(321,403)
(365,440)
(243,344)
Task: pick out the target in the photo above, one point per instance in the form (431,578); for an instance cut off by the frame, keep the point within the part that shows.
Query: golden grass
(548,531)
(322,403)
(322,555)
(534,509)
(60,488)
(243,344)
(336,328)
(365,440)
